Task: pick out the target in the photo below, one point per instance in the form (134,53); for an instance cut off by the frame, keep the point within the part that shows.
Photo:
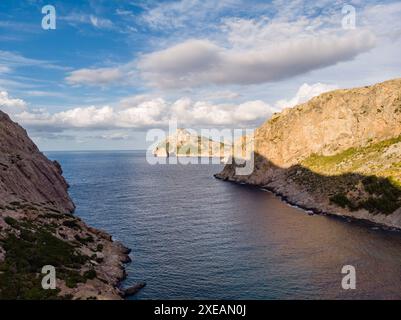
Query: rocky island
(184,143)
(338,154)
(37,228)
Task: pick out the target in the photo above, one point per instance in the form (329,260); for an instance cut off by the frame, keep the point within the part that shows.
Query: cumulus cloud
(202,62)
(11,105)
(93,117)
(305,93)
(99,76)
(243,51)
(209,114)
(150,113)
(144,111)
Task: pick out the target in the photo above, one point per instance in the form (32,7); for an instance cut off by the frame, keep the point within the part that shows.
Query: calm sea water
(195,237)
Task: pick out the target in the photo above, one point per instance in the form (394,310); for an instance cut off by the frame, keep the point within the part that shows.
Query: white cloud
(202,62)
(104,117)
(100,23)
(145,111)
(293,39)
(76,19)
(101,76)
(114,136)
(150,113)
(221,95)
(304,94)
(11,105)
(10,60)
(209,114)
(178,14)
(4,69)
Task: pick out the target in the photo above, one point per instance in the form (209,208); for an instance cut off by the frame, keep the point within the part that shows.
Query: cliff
(37,228)
(184,143)
(339,153)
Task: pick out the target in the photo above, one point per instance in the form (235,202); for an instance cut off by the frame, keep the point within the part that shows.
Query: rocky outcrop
(37,228)
(25,173)
(339,153)
(184,143)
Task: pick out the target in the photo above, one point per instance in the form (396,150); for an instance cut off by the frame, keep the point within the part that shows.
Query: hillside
(184,143)
(37,228)
(339,153)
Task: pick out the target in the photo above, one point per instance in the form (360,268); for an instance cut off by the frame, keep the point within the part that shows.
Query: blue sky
(113,69)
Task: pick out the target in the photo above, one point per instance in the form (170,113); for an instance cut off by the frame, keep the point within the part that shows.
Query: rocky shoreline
(309,206)
(338,154)
(38,228)
(88,263)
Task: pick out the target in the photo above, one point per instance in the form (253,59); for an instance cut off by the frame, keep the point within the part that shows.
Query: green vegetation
(86,240)
(384,197)
(341,200)
(90,274)
(327,163)
(355,160)
(26,254)
(358,178)
(71,224)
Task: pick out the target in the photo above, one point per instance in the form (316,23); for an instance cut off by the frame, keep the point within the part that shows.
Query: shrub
(90,274)
(341,200)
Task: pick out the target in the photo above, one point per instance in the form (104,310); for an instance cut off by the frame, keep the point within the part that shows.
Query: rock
(26,174)
(354,133)
(34,197)
(185,143)
(130,291)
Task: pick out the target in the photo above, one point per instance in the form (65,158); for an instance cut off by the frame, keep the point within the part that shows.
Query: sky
(112,70)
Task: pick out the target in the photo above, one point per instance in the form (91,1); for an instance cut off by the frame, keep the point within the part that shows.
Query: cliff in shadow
(339,153)
(37,228)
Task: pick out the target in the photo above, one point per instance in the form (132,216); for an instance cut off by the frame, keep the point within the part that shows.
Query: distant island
(186,144)
(339,153)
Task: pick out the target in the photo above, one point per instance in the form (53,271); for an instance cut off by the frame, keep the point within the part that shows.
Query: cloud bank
(144,112)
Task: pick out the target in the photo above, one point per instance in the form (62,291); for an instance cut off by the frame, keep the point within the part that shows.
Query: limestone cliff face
(331,123)
(25,173)
(38,229)
(339,134)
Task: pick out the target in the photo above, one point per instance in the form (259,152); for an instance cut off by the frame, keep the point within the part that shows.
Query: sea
(195,237)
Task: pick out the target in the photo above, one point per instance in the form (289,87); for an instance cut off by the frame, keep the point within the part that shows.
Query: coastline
(38,228)
(346,215)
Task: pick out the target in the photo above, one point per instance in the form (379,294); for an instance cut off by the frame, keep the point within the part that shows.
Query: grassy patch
(348,160)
